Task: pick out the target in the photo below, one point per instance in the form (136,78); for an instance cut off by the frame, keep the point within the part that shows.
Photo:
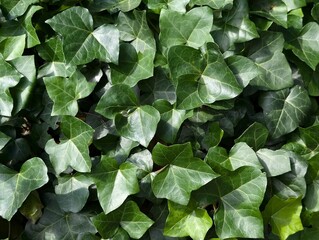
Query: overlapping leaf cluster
(159,119)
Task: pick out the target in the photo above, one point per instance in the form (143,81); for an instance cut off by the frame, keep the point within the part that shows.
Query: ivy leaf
(171,120)
(9,77)
(115,5)
(275,162)
(309,136)
(215,4)
(114,183)
(140,125)
(65,92)
(235,26)
(255,136)
(178,162)
(305,46)
(116,99)
(143,161)
(81,43)
(128,217)
(283,216)
(201,79)
(187,220)
(72,147)
(12,47)
(72,192)
(57,224)
(192,28)
(16,8)
(22,26)
(174,5)
(4,139)
(133,28)
(16,187)
(240,197)
(284,110)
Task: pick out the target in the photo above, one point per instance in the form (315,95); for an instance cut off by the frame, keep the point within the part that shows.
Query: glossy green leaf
(305,46)
(72,192)
(178,162)
(309,136)
(235,26)
(134,65)
(244,69)
(187,220)
(174,5)
(115,5)
(315,12)
(22,92)
(143,161)
(171,120)
(9,77)
(283,216)
(140,125)
(241,193)
(12,47)
(4,139)
(255,136)
(284,110)
(32,207)
(16,8)
(72,149)
(57,224)
(16,186)
(52,50)
(215,4)
(65,92)
(22,26)
(114,182)
(273,10)
(192,28)
(128,216)
(294,4)
(201,79)
(116,99)
(274,162)
(81,43)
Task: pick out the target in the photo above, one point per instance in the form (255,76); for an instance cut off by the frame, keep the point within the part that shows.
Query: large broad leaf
(310,136)
(182,173)
(274,162)
(187,220)
(57,224)
(114,5)
(241,193)
(306,45)
(171,120)
(16,8)
(128,217)
(9,77)
(72,149)
(283,216)
(134,65)
(12,47)
(116,99)
(22,92)
(16,186)
(65,92)
(285,110)
(81,43)
(72,192)
(140,125)
(235,26)
(192,28)
(215,4)
(175,5)
(255,136)
(4,139)
(201,79)
(114,183)
(22,26)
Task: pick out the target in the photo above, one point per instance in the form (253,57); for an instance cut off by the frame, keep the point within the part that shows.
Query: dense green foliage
(159,119)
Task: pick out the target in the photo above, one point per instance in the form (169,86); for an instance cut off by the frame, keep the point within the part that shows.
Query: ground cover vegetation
(159,119)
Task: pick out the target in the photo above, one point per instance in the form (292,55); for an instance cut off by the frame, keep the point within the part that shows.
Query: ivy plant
(159,119)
